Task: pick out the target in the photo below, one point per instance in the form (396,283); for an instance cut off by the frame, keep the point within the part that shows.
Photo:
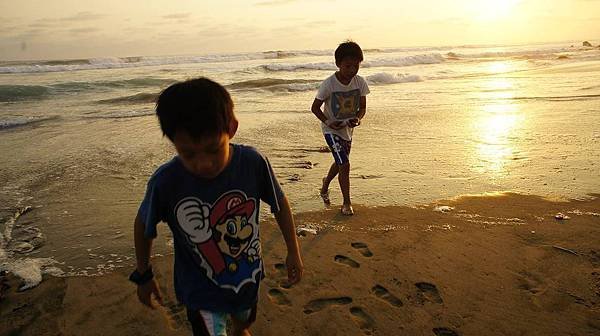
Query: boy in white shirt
(344,96)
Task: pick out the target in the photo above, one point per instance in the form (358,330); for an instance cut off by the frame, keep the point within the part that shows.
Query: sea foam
(399,61)
(12,122)
(404,60)
(30,270)
(387,78)
(143,61)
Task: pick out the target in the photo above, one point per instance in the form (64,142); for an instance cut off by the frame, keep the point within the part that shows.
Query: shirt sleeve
(364,87)
(324,91)
(151,210)
(270,190)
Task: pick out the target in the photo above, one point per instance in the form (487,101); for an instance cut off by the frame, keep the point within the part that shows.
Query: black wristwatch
(141,278)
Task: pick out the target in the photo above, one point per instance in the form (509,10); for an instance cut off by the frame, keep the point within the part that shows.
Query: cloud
(321,23)
(274,2)
(60,22)
(82,16)
(85,30)
(177,16)
(454,21)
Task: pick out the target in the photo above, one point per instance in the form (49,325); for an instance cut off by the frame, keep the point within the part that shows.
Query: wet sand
(478,265)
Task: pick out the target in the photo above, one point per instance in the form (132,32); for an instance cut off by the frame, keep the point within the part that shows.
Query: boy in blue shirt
(344,95)
(209,195)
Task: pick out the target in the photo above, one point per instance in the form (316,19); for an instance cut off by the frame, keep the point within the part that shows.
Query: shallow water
(78,146)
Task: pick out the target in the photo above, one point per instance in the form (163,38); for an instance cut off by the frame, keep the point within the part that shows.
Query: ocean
(79,138)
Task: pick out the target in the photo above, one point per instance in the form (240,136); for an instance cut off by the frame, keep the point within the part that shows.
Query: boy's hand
(336,124)
(353,122)
(147,290)
(295,268)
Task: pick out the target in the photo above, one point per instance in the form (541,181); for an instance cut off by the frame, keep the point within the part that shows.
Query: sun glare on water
(496,123)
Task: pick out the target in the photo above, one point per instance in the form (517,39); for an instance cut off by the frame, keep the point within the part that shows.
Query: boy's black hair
(198,106)
(348,49)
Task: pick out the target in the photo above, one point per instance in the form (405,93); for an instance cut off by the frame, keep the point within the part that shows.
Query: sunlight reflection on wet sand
(495,125)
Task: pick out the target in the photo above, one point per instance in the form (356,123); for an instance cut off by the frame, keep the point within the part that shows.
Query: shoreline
(474,265)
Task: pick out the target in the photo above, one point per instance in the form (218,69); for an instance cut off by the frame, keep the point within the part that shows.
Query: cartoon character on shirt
(224,236)
(345,104)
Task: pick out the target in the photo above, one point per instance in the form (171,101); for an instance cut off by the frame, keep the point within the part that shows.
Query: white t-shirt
(341,102)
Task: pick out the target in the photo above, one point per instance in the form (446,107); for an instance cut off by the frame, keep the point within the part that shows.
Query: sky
(72,29)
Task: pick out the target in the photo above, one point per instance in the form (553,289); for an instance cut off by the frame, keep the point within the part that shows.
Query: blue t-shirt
(218,263)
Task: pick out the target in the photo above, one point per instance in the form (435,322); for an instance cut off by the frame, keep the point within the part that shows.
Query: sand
(478,265)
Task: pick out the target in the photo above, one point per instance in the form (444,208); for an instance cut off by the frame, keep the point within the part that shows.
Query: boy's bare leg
(333,171)
(240,328)
(344,179)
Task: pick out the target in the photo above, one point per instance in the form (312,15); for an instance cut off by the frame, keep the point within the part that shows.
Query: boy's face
(348,67)
(205,157)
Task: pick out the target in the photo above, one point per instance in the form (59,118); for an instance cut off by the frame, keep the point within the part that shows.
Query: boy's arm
(316,110)
(143,246)
(363,107)
(285,220)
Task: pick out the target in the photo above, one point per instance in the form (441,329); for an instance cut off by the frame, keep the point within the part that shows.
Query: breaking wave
(14,93)
(561,98)
(140,98)
(13,122)
(381,62)
(276,85)
(143,61)
(387,78)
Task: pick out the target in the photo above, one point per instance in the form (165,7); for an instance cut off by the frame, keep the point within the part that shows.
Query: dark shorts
(340,148)
(207,323)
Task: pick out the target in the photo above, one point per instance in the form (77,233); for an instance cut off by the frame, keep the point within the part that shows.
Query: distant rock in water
(587,44)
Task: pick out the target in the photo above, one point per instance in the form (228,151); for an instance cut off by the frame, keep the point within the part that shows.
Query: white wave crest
(380,62)
(11,122)
(405,61)
(142,61)
(302,66)
(132,62)
(521,52)
(387,78)
(31,270)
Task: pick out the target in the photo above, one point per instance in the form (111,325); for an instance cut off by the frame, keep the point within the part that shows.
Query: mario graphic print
(345,105)
(225,237)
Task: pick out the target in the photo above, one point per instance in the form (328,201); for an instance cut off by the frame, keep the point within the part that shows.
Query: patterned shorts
(340,148)
(207,323)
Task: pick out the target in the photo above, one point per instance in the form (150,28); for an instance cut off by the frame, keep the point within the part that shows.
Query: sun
(490,10)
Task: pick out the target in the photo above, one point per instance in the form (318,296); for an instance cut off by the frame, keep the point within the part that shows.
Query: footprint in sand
(444,332)
(281,272)
(364,321)
(346,261)
(363,249)
(280,268)
(320,304)
(278,297)
(530,282)
(428,292)
(596,276)
(382,293)
(175,313)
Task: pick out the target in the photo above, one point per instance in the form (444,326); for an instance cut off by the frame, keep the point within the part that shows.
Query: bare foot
(347,210)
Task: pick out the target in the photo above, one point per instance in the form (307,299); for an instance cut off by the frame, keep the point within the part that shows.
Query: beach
(474,175)
(476,265)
